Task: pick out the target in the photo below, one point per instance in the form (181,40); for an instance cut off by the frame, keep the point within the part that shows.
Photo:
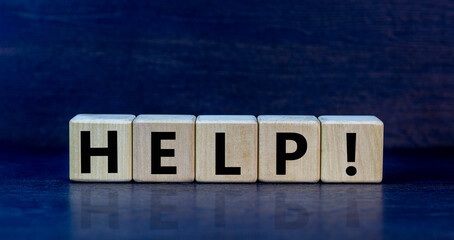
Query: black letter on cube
(282,156)
(221,169)
(86,152)
(157,153)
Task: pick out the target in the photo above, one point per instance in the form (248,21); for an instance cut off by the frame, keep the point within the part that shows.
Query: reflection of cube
(289,148)
(101,148)
(351,149)
(164,147)
(226,149)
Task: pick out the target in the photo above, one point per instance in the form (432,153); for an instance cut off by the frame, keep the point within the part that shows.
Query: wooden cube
(226,148)
(164,148)
(351,149)
(100,148)
(289,148)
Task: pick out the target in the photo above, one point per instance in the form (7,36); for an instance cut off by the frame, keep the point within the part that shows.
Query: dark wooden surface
(393,59)
(37,201)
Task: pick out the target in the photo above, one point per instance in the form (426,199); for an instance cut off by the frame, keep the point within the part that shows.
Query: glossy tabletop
(38,201)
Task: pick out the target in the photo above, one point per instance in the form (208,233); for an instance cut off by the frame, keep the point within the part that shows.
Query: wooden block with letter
(351,149)
(101,148)
(164,147)
(289,148)
(226,148)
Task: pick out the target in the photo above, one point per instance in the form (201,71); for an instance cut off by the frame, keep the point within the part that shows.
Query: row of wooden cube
(225,148)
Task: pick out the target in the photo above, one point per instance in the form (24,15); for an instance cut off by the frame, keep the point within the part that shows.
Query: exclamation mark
(351,145)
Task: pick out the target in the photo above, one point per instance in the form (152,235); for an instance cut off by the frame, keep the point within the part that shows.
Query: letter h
(87,152)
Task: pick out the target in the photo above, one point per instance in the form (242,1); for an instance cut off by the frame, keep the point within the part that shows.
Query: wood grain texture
(368,149)
(240,147)
(99,125)
(184,147)
(392,59)
(304,169)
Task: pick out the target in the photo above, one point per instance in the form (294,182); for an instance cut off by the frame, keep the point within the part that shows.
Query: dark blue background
(392,59)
